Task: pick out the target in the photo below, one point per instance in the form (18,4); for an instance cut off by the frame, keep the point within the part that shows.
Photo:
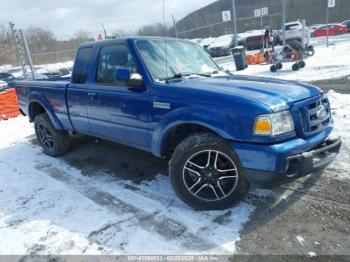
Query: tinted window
(81,67)
(113,58)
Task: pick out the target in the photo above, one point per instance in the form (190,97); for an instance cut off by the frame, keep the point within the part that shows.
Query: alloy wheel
(210,175)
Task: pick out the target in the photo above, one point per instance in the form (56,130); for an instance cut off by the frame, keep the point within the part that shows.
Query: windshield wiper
(176,76)
(184,74)
(198,74)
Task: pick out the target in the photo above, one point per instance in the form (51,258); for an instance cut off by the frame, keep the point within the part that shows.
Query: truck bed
(51,91)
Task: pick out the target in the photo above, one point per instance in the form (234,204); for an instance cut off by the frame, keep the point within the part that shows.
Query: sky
(65,17)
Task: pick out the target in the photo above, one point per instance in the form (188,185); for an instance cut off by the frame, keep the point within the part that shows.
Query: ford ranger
(221,132)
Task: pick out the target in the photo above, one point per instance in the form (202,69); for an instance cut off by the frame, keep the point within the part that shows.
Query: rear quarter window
(81,66)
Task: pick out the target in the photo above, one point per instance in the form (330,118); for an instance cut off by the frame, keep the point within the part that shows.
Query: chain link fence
(54,56)
(207,21)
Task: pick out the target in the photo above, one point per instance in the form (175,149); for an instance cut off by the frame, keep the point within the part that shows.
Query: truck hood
(276,94)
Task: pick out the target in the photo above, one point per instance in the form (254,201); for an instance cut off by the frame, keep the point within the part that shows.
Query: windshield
(182,58)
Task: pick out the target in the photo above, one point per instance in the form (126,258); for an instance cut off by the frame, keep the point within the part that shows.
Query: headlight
(274,124)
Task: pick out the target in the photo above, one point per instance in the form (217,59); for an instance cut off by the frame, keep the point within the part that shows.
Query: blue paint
(226,104)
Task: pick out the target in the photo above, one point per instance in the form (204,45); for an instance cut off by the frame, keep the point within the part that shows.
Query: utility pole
(284,20)
(22,51)
(330,4)
(26,50)
(262,31)
(15,43)
(327,17)
(104,31)
(175,26)
(234,18)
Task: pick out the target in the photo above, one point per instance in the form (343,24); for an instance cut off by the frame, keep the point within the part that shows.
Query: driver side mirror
(124,75)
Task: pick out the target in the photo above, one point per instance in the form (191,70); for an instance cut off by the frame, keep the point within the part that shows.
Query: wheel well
(177,134)
(35,109)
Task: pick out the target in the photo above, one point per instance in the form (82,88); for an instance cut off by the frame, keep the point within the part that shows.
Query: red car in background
(333,29)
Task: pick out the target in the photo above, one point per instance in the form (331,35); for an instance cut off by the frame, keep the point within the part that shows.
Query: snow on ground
(49,207)
(57,66)
(340,104)
(327,63)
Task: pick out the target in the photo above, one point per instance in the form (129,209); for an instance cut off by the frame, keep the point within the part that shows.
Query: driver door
(117,110)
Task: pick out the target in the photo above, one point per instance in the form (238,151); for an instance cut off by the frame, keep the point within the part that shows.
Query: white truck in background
(295,31)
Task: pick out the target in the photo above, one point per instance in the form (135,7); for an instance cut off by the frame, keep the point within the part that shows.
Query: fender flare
(36,97)
(196,116)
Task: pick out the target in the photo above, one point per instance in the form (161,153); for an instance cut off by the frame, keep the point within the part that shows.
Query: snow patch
(340,104)
(49,207)
(312,254)
(301,240)
(327,63)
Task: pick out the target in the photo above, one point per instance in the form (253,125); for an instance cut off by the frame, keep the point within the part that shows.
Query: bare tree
(122,33)
(80,37)
(40,40)
(6,54)
(155,29)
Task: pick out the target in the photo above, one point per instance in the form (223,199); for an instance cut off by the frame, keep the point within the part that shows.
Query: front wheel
(54,142)
(273,68)
(301,64)
(295,67)
(206,174)
(279,66)
(309,51)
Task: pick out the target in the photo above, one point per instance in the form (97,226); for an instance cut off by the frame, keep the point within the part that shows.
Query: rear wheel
(206,174)
(309,50)
(301,64)
(279,66)
(295,67)
(54,142)
(273,68)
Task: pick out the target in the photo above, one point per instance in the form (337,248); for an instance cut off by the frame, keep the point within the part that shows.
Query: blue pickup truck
(221,132)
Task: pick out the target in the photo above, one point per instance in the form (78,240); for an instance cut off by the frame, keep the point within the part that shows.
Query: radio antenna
(165,41)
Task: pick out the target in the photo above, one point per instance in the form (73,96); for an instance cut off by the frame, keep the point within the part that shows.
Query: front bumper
(293,163)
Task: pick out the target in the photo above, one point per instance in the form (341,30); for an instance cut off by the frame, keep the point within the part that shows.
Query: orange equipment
(8,104)
(255,59)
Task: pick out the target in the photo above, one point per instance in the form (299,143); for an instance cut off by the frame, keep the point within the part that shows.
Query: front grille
(318,116)
(315,115)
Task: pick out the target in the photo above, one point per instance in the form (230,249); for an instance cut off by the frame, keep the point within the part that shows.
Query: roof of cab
(126,39)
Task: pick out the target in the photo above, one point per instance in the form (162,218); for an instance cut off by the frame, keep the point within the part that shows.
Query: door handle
(92,96)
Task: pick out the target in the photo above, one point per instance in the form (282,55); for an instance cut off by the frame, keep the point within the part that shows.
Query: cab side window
(112,58)
(81,66)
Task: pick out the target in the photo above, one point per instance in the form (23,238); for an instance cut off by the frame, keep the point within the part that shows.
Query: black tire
(309,51)
(273,68)
(338,32)
(228,189)
(279,66)
(56,142)
(301,64)
(295,67)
